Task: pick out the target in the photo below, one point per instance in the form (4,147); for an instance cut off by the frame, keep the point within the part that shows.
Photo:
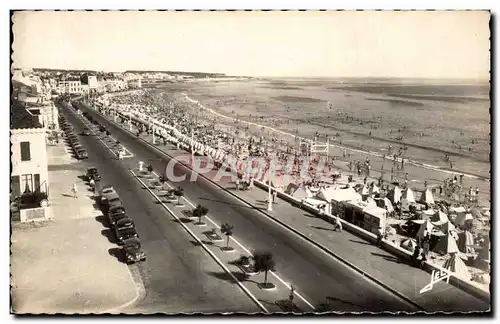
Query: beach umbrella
(447,244)
(409,245)
(456,265)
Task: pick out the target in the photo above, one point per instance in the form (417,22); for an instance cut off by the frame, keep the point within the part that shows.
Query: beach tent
(446,245)
(365,191)
(424,229)
(343,194)
(466,242)
(409,245)
(408,195)
(395,195)
(291,189)
(387,205)
(456,265)
(439,218)
(374,190)
(462,218)
(324,194)
(448,227)
(427,197)
(301,193)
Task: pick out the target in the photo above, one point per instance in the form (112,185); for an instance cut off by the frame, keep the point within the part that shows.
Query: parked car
(115,213)
(107,190)
(93,173)
(82,154)
(86,132)
(132,250)
(115,218)
(110,200)
(125,229)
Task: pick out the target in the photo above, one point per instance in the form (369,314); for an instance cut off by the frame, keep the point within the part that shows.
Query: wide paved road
(176,275)
(320,278)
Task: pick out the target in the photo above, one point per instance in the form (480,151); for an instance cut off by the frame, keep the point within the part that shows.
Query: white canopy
(338,194)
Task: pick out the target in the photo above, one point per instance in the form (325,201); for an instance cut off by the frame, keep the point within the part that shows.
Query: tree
(199,212)
(263,261)
(227,230)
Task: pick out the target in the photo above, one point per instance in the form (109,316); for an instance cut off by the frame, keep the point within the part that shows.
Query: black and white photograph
(250,162)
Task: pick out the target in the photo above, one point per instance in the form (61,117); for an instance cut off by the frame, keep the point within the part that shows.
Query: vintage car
(93,173)
(133,251)
(124,229)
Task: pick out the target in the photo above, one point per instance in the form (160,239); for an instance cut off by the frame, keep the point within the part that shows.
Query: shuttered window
(25,151)
(15,186)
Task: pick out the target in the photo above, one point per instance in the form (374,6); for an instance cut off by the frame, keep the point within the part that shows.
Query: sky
(440,45)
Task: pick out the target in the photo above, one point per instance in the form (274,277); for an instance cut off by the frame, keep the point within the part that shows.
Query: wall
(38,163)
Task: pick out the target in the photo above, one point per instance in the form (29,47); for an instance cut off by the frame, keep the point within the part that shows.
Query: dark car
(133,251)
(115,213)
(93,173)
(125,229)
(109,201)
(82,154)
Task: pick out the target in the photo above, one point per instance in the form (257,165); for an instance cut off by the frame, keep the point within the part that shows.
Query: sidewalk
(394,272)
(64,266)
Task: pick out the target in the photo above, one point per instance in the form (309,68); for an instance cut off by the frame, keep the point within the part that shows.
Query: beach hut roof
(446,245)
(458,267)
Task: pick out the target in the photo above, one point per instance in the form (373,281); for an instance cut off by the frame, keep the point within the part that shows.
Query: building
(47,114)
(72,86)
(90,81)
(29,176)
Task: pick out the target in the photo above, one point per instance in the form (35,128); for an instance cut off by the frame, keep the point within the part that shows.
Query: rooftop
(20,118)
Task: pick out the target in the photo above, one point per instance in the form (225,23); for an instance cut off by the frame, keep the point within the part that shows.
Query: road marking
(244,248)
(255,300)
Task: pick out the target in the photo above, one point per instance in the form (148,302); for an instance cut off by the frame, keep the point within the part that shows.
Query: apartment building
(73,86)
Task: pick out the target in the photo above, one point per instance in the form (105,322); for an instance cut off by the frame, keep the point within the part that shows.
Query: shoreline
(377,154)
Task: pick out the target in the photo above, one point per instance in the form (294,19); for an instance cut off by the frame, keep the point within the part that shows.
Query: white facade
(48,115)
(92,82)
(29,160)
(73,87)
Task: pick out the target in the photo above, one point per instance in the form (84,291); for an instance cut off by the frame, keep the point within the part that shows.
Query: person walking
(338,224)
(92,184)
(380,235)
(237,183)
(74,190)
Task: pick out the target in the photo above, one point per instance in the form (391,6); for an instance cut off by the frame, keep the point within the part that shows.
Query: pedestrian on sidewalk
(150,170)
(275,196)
(380,235)
(338,224)
(74,190)
(237,183)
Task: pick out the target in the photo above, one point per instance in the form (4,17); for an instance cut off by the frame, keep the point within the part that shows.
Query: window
(25,151)
(37,181)
(27,183)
